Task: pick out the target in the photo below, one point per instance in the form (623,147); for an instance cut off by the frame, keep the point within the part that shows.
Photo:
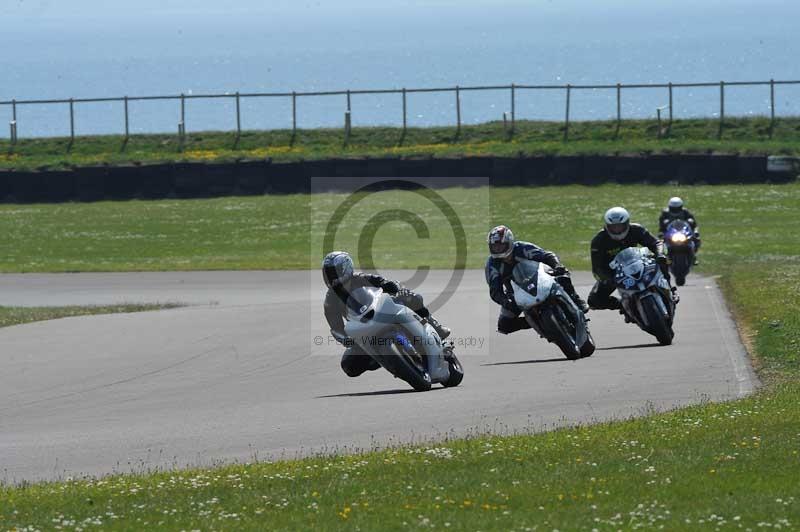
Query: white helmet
(675,204)
(501,242)
(617,222)
(337,269)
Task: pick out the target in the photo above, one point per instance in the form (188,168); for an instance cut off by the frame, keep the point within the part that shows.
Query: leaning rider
(341,279)
(505,253)
(617,234)
(676,211)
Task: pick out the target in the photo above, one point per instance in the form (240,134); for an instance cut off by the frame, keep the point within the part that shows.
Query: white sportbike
(400,340)
(549,309)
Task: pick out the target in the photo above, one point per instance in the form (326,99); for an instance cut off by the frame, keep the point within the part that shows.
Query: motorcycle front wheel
(556,324)
(588,347)
(656,322)
(681,263)
(406,362)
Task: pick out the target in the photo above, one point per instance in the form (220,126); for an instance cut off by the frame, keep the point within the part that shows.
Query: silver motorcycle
(400,340)
(645,293)
(550,310)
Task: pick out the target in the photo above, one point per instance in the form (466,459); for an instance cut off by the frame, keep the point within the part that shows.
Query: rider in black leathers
(619,234)
(341,280)
(505,252)
(676,211)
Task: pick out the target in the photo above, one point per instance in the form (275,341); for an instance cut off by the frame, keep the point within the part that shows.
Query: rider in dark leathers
(505,252)
(676,211)
(619,234)
(341,280)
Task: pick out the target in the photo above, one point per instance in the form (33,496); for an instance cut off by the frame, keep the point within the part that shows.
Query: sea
(51,49)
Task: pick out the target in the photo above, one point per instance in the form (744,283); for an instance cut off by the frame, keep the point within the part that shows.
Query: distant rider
(676,211)
(505,253)
(617,234)
(341,279)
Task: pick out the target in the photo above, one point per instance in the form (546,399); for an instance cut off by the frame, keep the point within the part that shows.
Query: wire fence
(509,118)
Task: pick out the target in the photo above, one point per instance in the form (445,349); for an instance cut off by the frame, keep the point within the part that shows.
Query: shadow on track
(637,346)
(535,361)
(378,392)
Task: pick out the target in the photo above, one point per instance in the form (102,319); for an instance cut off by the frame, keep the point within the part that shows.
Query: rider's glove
(560,270)
(391,287)
(403,293)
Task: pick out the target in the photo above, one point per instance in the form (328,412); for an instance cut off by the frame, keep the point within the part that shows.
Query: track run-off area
(246,371)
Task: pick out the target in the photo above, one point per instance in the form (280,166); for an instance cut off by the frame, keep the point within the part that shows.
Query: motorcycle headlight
(679,238)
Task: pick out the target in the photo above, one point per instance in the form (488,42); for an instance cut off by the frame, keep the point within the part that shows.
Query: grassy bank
(18,315)
(731,466)
(740,135)
(717,467)
(739,223)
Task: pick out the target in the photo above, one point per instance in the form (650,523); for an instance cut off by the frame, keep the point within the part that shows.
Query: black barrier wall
(200,180)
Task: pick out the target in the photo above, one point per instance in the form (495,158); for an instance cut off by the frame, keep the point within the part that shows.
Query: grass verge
(715,467)
(19,315)
(740,135)
(724,466)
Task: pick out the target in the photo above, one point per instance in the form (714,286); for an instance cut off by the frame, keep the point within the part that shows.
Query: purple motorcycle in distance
(679,240)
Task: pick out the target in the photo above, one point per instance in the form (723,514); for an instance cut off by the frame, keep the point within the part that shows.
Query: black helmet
(337,268)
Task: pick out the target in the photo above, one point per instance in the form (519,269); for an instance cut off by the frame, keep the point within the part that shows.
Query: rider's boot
(579,302)
(675,297)
(569,288)
(440,329)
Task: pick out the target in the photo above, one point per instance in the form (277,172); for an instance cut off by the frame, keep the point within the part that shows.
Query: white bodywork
(371,325)
(542,286)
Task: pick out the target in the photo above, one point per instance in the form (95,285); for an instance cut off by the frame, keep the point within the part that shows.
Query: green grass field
(19,315)
(731,466)
(740,135)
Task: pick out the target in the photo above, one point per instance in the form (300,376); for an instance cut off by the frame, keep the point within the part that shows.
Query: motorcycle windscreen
(681,226)
(360,300)
(629,265)
(526,275)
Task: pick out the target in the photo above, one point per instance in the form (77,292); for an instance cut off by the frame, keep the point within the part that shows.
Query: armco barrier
(193,180)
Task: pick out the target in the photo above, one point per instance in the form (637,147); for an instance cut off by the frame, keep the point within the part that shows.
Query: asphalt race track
(237,375)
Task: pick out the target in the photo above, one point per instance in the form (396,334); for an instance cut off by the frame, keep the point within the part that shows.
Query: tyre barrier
(202,180)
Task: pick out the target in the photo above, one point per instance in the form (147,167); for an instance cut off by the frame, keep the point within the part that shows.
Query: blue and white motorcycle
(680,244)
(645,293)
(400,340)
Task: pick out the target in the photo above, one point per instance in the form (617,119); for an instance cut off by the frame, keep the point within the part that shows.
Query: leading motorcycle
(400,340)
(645,293)
(550,311)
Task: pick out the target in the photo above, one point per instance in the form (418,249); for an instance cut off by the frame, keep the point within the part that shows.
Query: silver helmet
(675,204)
(337,268)
(617,222)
